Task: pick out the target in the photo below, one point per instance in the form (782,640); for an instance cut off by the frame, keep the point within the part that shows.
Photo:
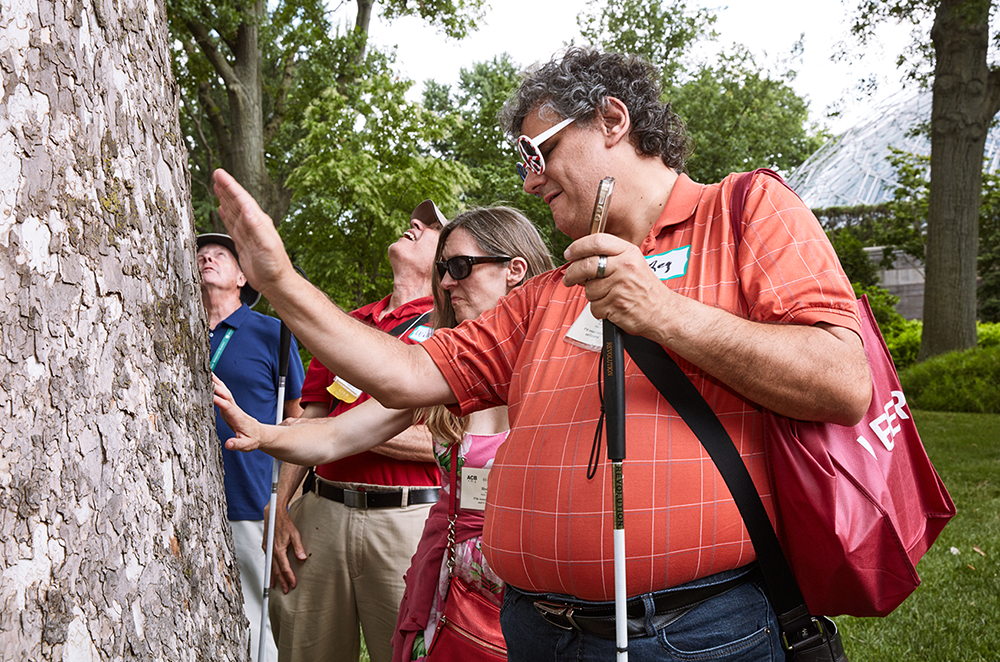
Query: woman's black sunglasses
(460,266)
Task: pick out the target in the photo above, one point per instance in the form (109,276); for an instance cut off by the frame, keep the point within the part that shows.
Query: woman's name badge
(342,390)
(473,496)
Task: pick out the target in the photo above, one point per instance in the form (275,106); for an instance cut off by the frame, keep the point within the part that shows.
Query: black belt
(599,619)
(380,499)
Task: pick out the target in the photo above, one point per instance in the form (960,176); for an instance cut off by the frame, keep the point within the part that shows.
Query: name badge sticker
(672,264)
(343,390)
(586,332)
(421,333)
(473,493)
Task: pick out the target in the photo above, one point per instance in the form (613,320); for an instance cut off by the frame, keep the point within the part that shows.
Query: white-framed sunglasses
(530,149)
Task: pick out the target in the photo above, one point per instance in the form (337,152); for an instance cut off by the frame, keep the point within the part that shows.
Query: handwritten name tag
(672,264)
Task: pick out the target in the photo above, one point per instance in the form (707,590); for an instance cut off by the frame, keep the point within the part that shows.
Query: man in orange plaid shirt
(771,323)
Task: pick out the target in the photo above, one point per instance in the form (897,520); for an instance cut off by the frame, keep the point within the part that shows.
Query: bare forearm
(318,441)
(805,372)
(397,374)
(413,445)
(289,479)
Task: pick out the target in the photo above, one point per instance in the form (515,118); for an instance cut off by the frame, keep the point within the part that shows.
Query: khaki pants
(353,575)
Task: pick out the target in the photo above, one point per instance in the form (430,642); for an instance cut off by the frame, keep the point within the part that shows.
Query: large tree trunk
(115,544)
(246,115)
(966,96)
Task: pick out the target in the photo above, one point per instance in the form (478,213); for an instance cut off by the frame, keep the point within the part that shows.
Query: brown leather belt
(392,498)
(599,619)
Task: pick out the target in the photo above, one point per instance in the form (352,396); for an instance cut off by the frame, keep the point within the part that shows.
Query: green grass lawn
(954,615)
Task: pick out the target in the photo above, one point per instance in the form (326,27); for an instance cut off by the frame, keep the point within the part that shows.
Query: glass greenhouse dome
(852,169)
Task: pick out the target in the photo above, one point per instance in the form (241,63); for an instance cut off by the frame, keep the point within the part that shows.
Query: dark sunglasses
(460,266)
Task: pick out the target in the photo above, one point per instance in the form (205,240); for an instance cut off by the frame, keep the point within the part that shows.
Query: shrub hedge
(967,381)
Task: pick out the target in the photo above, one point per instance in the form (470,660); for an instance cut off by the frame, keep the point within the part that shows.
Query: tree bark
(115,544)
(966,96)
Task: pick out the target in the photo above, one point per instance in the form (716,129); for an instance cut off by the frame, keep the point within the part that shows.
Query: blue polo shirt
(249,367)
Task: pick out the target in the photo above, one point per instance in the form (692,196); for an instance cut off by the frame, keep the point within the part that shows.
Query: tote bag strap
(738,199)
(452,507)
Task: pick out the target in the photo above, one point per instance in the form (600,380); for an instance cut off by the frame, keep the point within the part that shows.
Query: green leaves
(363,166)
(741,118)
(662,34)
(476,141)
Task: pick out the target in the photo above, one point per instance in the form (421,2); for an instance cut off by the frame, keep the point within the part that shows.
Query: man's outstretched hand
(262,256)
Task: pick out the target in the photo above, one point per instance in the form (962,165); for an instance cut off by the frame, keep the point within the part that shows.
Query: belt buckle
(355,499)
(547,610)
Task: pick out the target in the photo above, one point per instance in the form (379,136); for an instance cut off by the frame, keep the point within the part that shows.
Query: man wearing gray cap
(341,550)
(244,354)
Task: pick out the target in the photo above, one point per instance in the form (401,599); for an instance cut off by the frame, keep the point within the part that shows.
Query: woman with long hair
(482,255)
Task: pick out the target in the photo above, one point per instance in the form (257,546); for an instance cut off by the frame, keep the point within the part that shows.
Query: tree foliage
(741,118)
(478,143)
(989,251)
(661,33)
(248,72)
(860,269)
(363,165)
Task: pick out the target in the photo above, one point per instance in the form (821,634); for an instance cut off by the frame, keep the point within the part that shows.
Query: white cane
(284,346)
(613,375)
(614,408)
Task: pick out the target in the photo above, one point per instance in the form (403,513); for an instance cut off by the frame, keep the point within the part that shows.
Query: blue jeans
(738,625)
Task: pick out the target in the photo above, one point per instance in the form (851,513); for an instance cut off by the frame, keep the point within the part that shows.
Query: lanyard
(222,346)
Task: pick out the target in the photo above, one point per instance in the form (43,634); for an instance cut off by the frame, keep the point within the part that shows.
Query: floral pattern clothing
(476,451)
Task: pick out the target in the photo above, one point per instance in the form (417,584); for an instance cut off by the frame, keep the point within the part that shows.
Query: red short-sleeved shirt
(548,528)
(369,467)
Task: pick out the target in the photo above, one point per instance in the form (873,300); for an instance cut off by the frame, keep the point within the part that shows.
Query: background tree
(966,97)
(115,542)
(477,142)
(662,33)
(738,115)
(989,251)
(250,70)
(364,165)
(741,118)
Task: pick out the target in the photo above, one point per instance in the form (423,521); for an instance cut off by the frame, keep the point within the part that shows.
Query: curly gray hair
(578,85)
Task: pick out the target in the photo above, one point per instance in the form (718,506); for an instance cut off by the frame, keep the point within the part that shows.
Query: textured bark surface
(966,98)
(114,542)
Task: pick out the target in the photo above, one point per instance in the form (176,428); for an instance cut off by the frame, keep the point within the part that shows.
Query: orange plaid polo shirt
(548,528)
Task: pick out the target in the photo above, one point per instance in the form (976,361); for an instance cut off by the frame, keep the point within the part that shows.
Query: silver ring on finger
(602,263)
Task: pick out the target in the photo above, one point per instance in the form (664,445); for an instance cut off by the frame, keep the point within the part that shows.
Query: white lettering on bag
(887,426)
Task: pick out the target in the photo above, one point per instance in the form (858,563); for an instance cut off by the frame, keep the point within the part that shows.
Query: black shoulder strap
(408,324)
(668,378)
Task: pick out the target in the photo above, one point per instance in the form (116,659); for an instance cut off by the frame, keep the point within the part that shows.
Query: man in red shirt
(341,550)
(770,322)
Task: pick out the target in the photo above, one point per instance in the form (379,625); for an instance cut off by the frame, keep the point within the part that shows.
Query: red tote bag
(857,506)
